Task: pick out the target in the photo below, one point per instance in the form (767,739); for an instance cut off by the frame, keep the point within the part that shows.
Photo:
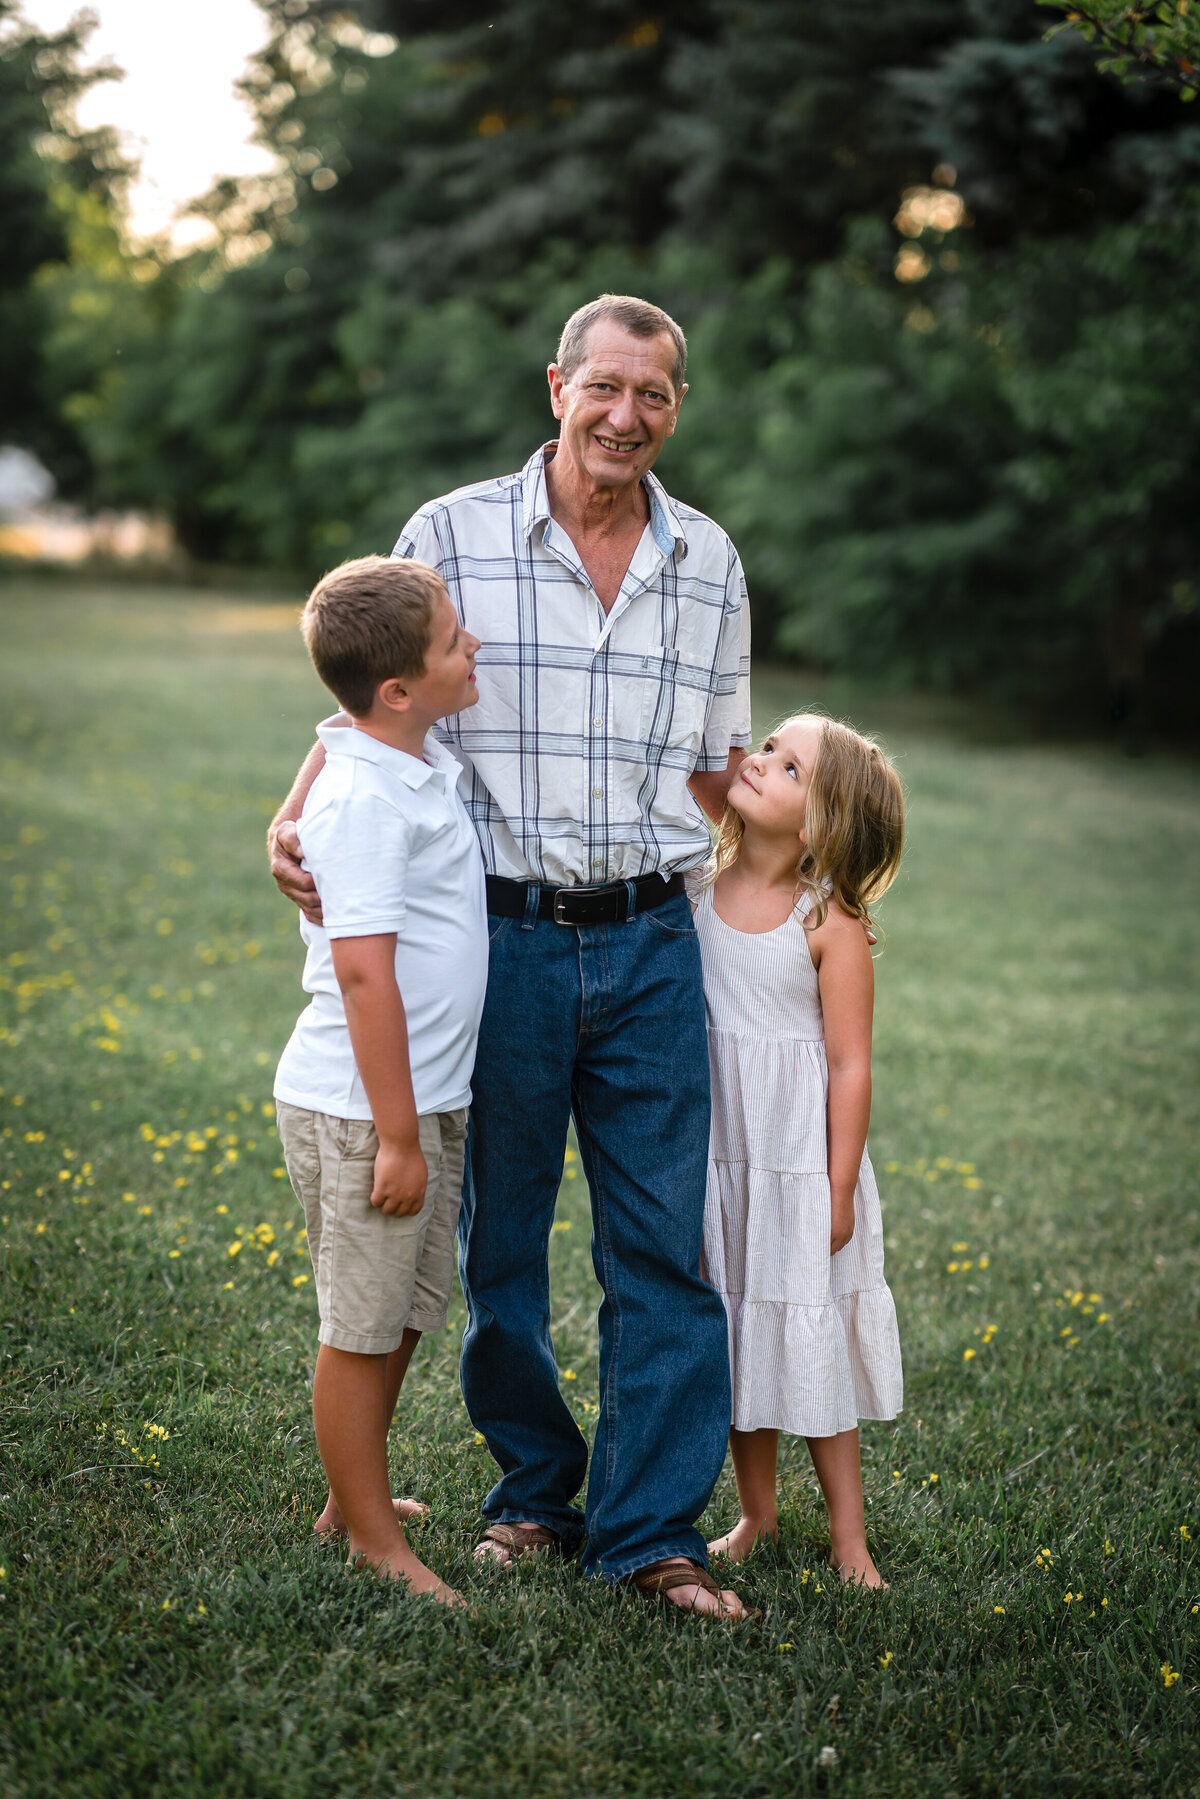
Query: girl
(810,838)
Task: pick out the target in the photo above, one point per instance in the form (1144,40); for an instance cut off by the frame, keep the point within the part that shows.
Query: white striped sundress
(813,1344)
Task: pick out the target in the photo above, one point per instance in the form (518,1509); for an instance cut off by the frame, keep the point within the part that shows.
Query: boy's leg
(331,1518)
(349,1400)
(518,1128)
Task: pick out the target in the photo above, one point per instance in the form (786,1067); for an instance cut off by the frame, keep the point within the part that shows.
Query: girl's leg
(839,1471)
(754,1458)
(349,1396)
(397,1367)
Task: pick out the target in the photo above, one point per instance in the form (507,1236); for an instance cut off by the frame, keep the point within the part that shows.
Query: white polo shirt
(389,844)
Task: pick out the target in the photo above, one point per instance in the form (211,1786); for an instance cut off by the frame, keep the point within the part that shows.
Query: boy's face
(447,682)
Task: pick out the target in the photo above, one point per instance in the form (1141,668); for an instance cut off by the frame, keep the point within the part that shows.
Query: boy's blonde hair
(853,823)
(369,621)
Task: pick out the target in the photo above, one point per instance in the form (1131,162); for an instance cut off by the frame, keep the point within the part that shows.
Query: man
(613,684)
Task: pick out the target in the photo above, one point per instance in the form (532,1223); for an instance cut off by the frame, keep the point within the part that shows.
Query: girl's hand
(841,1223)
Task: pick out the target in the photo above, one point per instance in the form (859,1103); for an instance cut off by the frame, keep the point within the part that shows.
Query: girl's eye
(791,769)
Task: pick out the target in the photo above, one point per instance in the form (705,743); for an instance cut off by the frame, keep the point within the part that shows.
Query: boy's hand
(293,881)
(841,1223)
(401,1175)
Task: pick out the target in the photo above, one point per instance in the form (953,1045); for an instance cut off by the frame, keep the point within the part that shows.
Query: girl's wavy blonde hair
(853,823)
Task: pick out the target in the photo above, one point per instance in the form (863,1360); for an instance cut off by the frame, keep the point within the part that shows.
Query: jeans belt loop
(630,902)
(532,895)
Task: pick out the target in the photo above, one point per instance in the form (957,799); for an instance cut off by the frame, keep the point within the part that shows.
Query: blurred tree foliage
(935,266)
(60,198)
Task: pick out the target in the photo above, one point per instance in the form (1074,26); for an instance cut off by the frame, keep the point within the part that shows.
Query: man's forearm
(293,805)
(709,789)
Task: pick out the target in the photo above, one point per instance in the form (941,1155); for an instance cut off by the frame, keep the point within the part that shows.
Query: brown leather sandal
(658,1579)
(518,1539)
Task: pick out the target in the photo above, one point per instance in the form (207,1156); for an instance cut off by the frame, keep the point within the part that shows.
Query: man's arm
(283,840)
(366,971)
(709,790)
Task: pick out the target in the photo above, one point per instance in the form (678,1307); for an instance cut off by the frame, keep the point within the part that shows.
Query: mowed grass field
(168,1626)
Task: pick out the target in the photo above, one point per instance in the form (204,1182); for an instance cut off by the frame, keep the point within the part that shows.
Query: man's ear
(393,694)
(554,376)
(678,404)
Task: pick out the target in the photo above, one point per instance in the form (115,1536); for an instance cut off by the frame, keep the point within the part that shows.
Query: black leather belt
(609,904)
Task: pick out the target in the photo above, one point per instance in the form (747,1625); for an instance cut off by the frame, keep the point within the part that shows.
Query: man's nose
(623,414)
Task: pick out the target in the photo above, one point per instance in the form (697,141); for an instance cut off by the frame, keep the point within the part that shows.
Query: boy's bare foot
(331,1522)
(856,1567)
(399,1563)
(746,1535)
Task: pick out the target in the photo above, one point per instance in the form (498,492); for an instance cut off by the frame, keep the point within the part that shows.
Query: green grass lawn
(168,1625)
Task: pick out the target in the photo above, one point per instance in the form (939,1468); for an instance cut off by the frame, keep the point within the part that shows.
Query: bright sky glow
(176,109)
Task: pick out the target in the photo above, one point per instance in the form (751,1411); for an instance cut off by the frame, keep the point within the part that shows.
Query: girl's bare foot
(331,1522)
(856,1567)
(746,1534)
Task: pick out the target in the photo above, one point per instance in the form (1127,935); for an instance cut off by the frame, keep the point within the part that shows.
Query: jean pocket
(496,927)
(674,920)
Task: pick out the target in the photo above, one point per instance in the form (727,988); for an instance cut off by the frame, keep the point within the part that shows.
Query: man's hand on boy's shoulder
(401,1176)
(292,880)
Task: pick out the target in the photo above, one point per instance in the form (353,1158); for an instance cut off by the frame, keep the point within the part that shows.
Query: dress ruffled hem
(814,1371)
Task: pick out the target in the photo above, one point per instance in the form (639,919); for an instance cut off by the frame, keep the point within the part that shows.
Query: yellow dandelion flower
(1169,1674)
(985,1261)
(999,1610)
(783,1647)
(298,1280)
(885,1659)
(957,1246)
(570,1374)
(1185,1533)
(968,1355)
(228,1284)
(235,1248)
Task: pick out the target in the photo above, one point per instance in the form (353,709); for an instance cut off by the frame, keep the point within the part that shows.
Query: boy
(373,1086)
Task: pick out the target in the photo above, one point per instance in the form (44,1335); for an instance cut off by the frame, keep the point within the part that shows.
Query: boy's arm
(283,840)
(846,979)
(366,973)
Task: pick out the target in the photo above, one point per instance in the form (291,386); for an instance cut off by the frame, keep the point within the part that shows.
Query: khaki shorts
(377,1275)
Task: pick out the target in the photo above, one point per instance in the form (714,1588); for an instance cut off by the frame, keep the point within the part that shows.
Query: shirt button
(597,722)
(597,861)
(597,793)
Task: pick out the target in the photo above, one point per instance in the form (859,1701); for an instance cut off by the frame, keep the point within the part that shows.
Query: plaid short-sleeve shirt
(587,727)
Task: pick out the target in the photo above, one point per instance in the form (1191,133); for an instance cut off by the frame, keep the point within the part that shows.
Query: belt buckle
(561,894)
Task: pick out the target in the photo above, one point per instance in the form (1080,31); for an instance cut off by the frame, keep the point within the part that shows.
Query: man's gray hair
(638,317)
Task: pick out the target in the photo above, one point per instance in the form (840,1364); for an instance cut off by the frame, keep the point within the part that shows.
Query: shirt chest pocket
(676,695)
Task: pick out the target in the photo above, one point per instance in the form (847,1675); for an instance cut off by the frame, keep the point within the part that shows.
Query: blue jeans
(604,1023)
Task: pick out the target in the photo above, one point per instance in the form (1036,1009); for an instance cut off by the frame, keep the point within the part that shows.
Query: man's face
(618,408)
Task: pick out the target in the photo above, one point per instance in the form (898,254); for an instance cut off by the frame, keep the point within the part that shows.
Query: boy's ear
(393,694)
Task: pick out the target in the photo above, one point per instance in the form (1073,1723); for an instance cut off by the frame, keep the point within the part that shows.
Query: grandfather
(613,707)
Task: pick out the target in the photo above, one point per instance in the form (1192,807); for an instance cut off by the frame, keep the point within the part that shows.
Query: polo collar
(344,740)
(665,525)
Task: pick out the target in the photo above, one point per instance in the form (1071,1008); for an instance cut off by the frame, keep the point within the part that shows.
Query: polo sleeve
(357,850)
(727,726)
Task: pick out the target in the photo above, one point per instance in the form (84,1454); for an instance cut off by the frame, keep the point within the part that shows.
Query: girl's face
(770,788)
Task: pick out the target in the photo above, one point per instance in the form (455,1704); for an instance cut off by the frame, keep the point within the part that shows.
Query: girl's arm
(846,980)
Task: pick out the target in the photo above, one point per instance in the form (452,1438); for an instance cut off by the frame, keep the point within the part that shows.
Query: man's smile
(617,448)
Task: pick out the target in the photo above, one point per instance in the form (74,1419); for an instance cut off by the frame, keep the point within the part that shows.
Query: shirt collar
(665,526)
(344,740)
